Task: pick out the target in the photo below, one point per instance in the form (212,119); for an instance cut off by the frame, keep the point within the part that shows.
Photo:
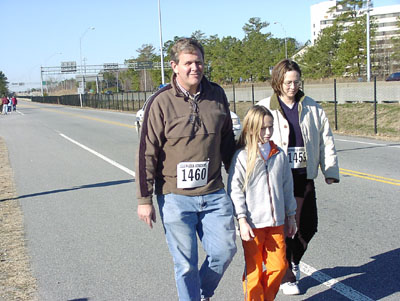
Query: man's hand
(147,214)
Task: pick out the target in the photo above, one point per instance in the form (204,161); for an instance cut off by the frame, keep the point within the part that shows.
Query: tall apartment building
(385,18)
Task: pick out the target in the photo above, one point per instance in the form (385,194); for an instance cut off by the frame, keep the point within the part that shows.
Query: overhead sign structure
(110,67)
(89,77)
(144,65)
(68,67)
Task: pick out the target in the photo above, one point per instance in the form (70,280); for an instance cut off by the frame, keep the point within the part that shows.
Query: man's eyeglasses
(296,83)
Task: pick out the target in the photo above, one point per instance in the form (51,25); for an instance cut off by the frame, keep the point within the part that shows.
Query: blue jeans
(211,217)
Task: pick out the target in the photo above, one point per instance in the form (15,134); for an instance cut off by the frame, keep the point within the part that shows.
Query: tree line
(340,50)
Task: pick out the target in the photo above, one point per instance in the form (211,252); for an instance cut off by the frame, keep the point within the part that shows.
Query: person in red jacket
(4,103)
(14,103)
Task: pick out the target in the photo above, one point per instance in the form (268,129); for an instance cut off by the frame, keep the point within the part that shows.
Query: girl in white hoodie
(261,188)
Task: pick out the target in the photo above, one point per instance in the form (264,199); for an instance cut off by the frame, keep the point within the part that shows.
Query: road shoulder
(16,280)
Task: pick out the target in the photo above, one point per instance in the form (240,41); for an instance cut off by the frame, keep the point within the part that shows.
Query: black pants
(296,247)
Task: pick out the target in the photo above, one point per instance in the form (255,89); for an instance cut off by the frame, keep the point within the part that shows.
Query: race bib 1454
(297,157)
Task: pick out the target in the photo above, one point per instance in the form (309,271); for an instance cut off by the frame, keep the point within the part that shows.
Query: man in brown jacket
(186,135)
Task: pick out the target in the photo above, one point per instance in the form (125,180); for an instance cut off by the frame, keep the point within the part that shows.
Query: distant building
(385,17)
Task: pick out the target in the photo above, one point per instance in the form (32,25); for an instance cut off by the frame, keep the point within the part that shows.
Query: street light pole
(41,71)
(284,31)
(41,80)
(161,44)
(368,46)
(81,69)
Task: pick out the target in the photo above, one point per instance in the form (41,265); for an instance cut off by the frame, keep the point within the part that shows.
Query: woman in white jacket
(302,131)
(261,188)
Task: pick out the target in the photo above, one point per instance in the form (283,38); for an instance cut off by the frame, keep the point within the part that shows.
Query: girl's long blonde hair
(250,137)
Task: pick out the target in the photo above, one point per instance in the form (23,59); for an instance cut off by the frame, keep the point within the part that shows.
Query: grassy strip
(355,119)
(16,280)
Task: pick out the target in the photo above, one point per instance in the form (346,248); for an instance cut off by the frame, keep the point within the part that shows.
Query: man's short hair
(187,45)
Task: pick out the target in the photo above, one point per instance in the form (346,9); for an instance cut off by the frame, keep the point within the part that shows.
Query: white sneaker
(290,288)
(296,271)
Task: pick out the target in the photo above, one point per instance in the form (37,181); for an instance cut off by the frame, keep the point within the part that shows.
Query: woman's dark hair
(278,74)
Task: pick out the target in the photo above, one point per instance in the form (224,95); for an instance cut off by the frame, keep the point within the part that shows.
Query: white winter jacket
(268,197)
(316,132)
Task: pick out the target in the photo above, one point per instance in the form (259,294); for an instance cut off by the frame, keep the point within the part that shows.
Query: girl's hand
(246,233)
(291,226)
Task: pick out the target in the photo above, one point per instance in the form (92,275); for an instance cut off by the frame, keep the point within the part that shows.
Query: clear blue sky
(35,32)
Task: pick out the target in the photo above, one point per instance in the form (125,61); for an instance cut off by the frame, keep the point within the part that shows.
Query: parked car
(394,77)
(237,127)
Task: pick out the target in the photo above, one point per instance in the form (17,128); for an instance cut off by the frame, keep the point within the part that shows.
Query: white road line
(112,162)
(370,143)
(332,283)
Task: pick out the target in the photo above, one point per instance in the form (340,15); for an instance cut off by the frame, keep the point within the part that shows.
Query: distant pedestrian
(5,102)
(9,105)
(14,103)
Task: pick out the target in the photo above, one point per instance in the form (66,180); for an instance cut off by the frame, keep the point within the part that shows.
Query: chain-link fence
(361,108)
(126,101)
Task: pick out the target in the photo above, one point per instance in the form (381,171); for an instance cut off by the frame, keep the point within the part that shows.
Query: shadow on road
(376,279)
(103,184)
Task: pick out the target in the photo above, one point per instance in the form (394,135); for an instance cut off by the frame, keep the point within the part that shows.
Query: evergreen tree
(256,59)
(318,61)
(146,53)
(396,44)
(3,85)
(352,53)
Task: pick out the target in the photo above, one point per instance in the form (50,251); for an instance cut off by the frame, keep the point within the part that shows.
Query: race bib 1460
(192,174)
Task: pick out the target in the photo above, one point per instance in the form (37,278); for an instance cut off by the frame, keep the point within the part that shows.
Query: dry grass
(359,119)
(16,280)
(355,119)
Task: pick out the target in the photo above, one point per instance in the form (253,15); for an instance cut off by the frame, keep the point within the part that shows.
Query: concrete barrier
(386,92)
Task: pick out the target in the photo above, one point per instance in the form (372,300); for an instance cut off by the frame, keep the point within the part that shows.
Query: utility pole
(161,44)
(41,80)
(81,69)
(368,46)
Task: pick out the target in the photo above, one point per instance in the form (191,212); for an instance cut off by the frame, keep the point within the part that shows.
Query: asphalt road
(74,175)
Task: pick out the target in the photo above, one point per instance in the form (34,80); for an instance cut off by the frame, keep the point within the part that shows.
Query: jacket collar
(204,86)
(273,151)
(274,103)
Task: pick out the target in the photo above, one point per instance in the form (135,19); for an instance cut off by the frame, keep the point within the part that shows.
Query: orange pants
(268,247)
